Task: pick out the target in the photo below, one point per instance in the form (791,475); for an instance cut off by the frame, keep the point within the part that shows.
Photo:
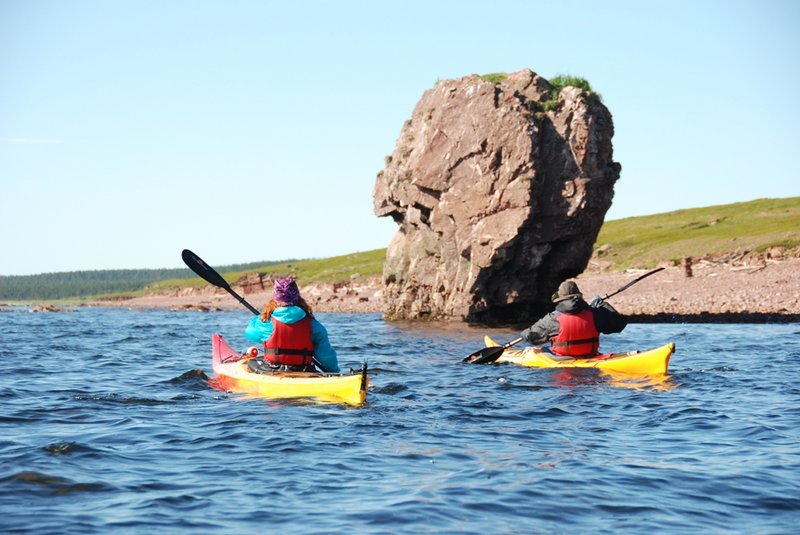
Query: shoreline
(717,292)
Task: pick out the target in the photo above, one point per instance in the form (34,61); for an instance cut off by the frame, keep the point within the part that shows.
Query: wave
(39,482)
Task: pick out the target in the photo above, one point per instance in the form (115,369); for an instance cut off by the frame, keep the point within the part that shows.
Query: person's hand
(596,302)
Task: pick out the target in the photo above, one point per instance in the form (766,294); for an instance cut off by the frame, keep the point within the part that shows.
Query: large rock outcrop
(496,200)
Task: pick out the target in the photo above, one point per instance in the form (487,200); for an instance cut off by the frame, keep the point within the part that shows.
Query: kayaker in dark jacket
(574,328)
(290,333)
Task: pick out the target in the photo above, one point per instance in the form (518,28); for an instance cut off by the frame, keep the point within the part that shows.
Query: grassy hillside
(714,230)
(54,286)
(639,242)
(634,242)
(337,268)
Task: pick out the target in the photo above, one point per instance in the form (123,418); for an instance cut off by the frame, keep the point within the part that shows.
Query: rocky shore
(716,291)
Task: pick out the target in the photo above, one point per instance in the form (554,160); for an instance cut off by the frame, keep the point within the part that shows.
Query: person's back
(293,338)
(577,335)
(573,328)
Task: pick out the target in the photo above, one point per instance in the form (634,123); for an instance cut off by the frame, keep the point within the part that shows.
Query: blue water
(108,426)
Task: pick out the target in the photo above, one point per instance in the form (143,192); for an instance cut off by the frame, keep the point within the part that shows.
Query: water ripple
(38,482)
(113,427)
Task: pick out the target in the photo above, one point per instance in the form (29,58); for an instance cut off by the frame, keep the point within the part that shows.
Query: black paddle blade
(486,355)
(208,273)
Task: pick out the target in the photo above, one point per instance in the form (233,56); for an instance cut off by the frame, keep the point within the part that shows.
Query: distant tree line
(88,283)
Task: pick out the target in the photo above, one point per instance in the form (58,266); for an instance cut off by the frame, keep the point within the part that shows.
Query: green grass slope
(641,241)
(634,242)
(333,269)
(714,230)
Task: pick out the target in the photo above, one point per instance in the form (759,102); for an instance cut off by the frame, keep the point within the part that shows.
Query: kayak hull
(650,362)
(233,375)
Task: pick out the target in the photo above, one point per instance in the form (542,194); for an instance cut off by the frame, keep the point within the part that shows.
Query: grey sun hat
(566,290)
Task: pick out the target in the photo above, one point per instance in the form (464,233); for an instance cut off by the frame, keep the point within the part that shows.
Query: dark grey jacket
(606,319)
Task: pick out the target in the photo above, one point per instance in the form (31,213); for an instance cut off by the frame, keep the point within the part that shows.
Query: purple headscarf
(286,291)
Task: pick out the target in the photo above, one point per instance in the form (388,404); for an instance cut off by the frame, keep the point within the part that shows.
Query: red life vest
(290,344)
(577,335)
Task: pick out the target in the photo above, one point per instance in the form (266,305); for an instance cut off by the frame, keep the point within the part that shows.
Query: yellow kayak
(650,362)
(234,375)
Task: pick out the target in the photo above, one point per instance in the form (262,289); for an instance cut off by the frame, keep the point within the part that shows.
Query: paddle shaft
(634,281)
(512,343)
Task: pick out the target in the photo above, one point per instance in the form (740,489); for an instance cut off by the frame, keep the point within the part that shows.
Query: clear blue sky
(253,130)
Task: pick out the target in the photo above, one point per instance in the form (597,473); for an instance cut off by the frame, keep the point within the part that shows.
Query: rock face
(251,283)
(496,200)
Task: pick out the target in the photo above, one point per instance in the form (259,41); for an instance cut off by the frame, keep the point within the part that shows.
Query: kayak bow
(233,375)
(650,362)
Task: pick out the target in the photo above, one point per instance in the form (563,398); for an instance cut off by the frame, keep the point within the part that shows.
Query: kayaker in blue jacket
(574,328)
(290,333)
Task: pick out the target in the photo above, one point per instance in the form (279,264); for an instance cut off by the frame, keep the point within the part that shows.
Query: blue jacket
(259,332)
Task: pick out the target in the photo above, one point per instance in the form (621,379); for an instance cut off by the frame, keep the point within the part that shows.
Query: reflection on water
(662,382)
(571,378)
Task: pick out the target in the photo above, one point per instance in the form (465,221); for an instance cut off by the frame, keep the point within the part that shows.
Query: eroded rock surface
(496,200)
